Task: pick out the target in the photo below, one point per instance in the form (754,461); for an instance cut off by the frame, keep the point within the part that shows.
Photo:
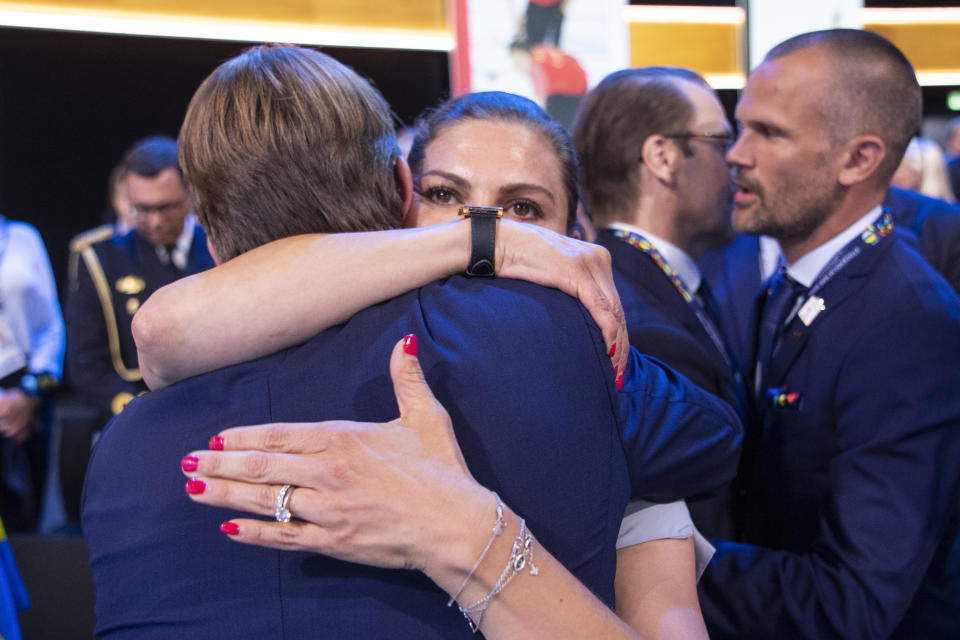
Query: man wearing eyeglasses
(654,179)
(652,144)
(116,275)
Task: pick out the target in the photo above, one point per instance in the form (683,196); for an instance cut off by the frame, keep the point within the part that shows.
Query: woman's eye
(440,195)
(525,210)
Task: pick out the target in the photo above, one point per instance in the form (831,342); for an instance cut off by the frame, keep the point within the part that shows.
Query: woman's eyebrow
(452,177)
(512,189)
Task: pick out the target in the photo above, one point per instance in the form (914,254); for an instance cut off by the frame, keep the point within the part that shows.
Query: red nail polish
(195,486)
(410,344)
(616,370)
(189,463)
(619,381)
(229,528)
(216,443)
(613,349)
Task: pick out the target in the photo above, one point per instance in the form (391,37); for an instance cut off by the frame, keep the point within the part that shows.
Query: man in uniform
(849,483)
(116,274)
(118,222)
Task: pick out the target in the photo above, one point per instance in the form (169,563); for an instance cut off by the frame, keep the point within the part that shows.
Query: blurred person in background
(924,170)
(113,273)
(116,274)
(118,220)
(31,362)
(953,155)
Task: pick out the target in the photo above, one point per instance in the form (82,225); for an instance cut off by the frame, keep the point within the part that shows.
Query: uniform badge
(130,285)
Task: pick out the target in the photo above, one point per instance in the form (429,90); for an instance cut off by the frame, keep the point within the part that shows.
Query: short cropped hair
(614,121)
(508,107)
(283,140)
(147,158)
(871,89)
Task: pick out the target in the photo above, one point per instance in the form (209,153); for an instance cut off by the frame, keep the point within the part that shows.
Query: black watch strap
(483,239)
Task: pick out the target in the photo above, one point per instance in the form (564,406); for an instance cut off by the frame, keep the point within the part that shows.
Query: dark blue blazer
(661,323)
(933,227)
(522,371)
(852,494)
(91,363)
(734,276)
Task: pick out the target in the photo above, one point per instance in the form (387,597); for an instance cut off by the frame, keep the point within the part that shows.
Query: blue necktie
(782,296)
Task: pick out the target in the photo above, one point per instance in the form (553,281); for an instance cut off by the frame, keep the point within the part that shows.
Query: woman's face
(490,163)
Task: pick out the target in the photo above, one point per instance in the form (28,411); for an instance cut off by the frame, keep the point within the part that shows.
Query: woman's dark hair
(498,105)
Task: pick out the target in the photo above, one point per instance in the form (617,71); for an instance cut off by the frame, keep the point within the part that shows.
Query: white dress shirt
(28,295)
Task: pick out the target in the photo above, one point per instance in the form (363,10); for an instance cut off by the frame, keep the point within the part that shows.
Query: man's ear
(404,180)
(213,254)
(661,157)
(862,157)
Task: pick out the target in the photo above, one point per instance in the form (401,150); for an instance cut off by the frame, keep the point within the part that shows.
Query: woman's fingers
(420,411)
(599,295)
(270,468)
(278,437)
(288,536)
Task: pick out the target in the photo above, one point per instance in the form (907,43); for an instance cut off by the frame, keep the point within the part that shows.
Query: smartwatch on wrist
(483,238)
(38,385)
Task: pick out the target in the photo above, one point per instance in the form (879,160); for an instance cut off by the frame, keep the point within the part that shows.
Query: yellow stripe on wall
(708,40)
(930,47)
(365,14)
(928,36)
(370,24)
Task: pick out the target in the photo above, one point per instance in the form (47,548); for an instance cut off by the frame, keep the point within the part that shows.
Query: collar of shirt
(676,257)
(770,257)
(181,250)
(806,269)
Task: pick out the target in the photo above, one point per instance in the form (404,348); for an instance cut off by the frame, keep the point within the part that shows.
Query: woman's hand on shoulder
(580,269)
(389,494)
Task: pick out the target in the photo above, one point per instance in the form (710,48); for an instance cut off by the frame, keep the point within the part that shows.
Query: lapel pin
(810,310)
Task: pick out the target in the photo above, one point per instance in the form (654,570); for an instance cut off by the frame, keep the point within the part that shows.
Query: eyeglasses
(163,208)
(722,140)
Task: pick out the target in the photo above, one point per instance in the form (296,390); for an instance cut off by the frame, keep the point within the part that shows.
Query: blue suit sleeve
(894,487)
(680,441)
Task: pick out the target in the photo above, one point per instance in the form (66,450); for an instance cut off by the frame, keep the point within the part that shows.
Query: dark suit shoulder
(662,324)
(523,373)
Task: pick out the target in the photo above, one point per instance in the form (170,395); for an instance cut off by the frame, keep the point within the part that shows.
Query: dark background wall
(70,103)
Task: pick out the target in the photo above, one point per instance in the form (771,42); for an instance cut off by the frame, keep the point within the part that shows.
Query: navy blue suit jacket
(91,360)
(522,371)
(734,276)
(852,495)
(933,226)
(661,323)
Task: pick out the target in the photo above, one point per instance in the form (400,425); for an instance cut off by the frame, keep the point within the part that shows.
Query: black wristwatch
(483,238)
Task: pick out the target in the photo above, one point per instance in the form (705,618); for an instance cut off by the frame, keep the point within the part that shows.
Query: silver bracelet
(520,556)
(497,530)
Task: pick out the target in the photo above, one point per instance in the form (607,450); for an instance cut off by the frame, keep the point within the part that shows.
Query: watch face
(466,211)
(29,383)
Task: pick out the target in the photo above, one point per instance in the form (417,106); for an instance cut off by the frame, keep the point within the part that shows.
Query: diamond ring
(281,511)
